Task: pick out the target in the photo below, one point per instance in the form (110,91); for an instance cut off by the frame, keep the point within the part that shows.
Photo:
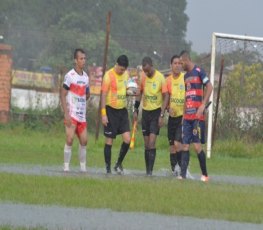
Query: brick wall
(5,81)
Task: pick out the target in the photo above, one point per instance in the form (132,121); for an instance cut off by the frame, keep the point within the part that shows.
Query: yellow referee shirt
(152,89)
(176,90)
(115,87)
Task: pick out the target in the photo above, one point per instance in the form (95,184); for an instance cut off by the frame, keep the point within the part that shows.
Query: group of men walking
(181,95)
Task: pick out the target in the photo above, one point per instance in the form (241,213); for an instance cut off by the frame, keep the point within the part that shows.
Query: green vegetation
(43,35)
(215,201)
(45,147)
(124,193)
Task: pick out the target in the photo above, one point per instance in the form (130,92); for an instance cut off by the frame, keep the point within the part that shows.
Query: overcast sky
(241,17)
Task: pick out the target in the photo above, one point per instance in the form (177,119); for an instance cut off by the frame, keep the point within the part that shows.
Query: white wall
(25,99)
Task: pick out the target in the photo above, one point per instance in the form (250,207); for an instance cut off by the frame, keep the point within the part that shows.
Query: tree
(45,32)
(241,111)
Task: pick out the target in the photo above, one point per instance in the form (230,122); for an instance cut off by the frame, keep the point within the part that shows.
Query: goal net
(237,114)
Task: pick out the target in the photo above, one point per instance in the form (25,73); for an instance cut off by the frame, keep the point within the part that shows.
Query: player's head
(147,66)
(80,58)
(176,65)
(185,60)
(122,64)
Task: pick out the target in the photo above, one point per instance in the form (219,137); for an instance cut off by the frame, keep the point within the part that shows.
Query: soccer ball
(131,88)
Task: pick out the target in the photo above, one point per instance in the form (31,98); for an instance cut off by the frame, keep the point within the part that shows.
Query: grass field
(158,195)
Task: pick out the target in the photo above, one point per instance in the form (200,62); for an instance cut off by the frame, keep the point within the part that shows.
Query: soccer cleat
(83,167)
(188,175)
(108,169)
(177,170)
(204,178)
(179,178)
(66,167)
(149,173)
(118,168)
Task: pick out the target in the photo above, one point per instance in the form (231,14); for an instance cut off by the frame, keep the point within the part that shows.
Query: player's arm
(207,93)
(165,101)
(138,100)
(104,91)
(88,91)
(63,99)
(166,97)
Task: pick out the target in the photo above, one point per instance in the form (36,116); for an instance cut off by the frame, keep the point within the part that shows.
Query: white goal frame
(212,73)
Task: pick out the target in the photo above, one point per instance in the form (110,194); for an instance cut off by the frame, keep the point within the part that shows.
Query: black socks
(202,162)
(107,157)
(149,156)
(173,160)
(184,163)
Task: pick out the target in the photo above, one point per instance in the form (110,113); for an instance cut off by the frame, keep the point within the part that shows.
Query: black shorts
(174,129)
(150,121)
(118,122)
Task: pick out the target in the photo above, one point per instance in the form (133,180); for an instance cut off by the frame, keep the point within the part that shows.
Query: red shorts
(80,126)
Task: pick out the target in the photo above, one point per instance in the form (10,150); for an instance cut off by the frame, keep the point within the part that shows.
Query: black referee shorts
(118,122)
(174,129)
(150,119)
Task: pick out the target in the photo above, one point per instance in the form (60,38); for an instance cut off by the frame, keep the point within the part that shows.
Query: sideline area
(58,217)
(100,172)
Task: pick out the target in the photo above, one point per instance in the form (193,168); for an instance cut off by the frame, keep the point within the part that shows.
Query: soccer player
(196,99)
(176,92)
(154,96)
(114,114)
(74,95)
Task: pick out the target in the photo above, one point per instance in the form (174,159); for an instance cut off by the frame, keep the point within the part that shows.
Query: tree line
(47,32)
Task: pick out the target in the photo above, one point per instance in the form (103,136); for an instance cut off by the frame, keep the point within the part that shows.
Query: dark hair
(184,53)
(174,57)
(76,52)
(123,61)
(147,61)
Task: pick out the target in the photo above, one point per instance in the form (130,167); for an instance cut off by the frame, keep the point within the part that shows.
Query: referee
(114,114)
(154,96)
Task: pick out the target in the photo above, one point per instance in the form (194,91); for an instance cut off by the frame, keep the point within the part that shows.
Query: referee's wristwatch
(162,115)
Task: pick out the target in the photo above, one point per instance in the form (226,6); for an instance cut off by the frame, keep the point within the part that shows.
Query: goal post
(214,50)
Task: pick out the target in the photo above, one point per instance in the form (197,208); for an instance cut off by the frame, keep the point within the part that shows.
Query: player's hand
(200,111)
(104,120)
(160,121)
(171,112)
(135,115)
(67,120)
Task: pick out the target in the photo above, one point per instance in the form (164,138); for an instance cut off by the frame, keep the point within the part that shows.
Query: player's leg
(107,153)
(83,139)
(110,132)
(146,154)
(152,152)
(186,140)
(154,132)
(198,141)
(146,133)
(171,139)
(123,151)
(124,130)
(178,157)
(178,139)
(202,161)
(70,132)
(173,158)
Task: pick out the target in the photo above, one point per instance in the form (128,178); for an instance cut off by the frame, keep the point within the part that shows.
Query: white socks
(67,157)
(82,157)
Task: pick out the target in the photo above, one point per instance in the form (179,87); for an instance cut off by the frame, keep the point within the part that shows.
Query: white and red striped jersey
(77,86)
